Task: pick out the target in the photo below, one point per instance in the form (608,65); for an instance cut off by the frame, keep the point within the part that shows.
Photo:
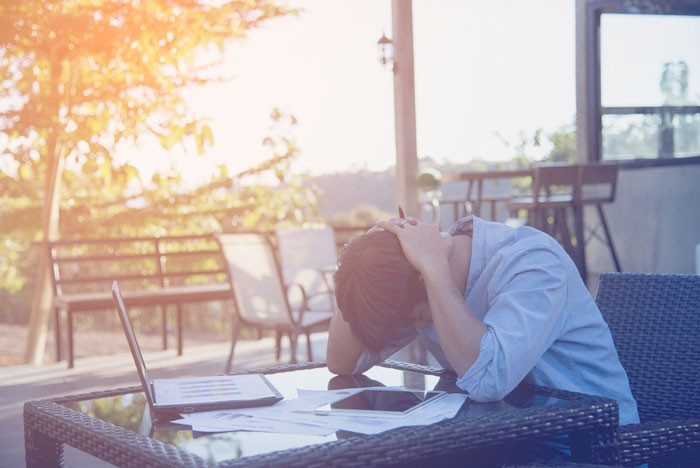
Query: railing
(667,129)
(476,196)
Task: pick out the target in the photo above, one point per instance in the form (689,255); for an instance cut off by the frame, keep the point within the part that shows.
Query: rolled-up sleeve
(526,313)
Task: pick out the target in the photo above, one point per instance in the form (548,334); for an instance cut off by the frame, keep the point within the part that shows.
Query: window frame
(594,107)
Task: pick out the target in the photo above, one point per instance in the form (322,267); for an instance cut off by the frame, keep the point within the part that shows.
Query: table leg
(57,333)
(580,443)
(560,229)
(164,326)
(492,205)
(580,242)
(479,197)
(609,239)
(71,353)
(179,329)
(598,447)
(41,450)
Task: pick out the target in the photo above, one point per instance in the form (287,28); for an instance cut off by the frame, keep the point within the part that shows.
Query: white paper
(192,390)
(441,409)
(225,421)
(297,416)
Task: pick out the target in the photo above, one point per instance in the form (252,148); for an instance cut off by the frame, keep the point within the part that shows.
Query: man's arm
(527,313)
(343,349)
(458,330)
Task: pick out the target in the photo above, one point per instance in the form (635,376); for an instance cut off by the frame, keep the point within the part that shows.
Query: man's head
(377,290)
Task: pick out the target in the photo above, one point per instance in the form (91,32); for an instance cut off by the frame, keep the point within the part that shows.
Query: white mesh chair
(261,297)
(308,257)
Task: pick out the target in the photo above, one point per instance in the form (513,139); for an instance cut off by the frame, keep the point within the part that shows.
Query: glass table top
(130,411)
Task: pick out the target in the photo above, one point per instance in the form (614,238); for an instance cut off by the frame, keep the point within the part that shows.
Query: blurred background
(159,118)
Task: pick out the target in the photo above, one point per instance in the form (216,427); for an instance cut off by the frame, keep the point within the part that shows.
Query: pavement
(26,382)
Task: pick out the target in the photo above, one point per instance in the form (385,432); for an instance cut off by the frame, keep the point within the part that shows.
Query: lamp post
(386,52)
(399,50)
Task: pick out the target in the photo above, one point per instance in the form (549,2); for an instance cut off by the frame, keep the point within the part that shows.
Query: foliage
(361,216)
(556,146)
(93,74)
(429,180)
(563,141)
(631,136)
(117,203)
(635,136)
(81,78)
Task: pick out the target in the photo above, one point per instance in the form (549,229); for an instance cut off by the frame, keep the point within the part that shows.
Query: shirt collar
(472,226)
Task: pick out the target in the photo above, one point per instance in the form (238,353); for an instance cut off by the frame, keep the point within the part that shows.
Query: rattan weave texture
(48,425)
(655,322)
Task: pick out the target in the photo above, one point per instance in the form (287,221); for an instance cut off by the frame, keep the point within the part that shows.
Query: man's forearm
(458,330)
(343,349)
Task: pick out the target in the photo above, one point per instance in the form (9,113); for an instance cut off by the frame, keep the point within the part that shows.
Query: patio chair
(655,323)
(308,257)
(553,191)
(597,185)
(260,296)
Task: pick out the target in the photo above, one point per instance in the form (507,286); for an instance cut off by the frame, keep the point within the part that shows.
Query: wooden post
(405,107)
(588,144)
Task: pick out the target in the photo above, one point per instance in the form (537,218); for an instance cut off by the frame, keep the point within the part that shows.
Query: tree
(95,204)
(557,146)
(81,77)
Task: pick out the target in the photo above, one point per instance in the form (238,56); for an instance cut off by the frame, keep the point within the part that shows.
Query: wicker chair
(655,322)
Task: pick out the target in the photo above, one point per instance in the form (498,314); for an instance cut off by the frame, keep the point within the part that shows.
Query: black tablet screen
(397,401)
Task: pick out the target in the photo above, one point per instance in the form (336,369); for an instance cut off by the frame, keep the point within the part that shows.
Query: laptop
(168,398)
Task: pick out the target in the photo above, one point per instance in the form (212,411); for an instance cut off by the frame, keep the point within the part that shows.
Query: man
(498,305)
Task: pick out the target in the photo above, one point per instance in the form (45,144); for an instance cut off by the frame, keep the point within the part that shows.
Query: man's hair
(376,289)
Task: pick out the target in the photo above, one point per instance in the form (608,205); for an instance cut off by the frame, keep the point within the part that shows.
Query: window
(645,95)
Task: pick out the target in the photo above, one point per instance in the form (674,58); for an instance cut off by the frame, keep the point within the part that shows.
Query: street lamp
(386,52)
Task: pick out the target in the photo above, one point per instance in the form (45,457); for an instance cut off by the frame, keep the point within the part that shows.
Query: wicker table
(109,426)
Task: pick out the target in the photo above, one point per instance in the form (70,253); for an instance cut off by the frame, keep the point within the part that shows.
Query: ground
(13,343)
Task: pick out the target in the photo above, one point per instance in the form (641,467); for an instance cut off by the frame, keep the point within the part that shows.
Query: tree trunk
(40,313)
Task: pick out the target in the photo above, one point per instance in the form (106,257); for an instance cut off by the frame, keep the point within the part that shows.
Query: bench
(152,271)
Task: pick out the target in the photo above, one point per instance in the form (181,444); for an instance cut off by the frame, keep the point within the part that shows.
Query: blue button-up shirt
(543,325)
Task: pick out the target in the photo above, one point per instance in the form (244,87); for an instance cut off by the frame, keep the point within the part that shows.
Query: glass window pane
(649,60)
(630,137)
(686,135)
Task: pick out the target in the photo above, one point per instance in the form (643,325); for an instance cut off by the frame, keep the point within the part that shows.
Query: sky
(485,71)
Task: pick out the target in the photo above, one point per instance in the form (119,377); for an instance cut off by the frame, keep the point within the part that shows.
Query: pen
(401,215)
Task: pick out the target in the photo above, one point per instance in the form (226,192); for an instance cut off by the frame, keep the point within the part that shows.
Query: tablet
(381,402)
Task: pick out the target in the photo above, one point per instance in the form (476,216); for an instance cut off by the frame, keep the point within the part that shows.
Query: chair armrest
(321,295)
(298,301)
(672,442)
(295,292)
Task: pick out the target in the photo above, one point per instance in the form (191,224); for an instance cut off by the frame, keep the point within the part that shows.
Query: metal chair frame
(560,193)
(261,298)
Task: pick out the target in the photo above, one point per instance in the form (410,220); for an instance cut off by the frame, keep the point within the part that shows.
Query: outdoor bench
(152,271)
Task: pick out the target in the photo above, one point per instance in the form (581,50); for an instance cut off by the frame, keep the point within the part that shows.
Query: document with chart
(218,388)
(167,398)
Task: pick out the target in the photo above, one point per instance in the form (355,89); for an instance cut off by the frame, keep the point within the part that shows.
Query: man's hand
(422,244)
(458,330)
(397,221)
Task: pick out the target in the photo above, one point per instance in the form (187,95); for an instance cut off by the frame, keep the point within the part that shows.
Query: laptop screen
(133,344)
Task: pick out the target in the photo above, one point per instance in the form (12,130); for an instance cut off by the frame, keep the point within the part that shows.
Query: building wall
(655,221)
